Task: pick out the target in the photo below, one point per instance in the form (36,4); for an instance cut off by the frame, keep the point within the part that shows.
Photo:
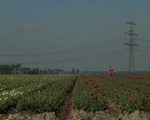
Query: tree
(73,70)
(12,66)
(78,71)
(35,71)
(5,69)
(18,66)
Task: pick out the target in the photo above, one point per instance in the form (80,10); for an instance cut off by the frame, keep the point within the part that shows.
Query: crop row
(35,91)
(46,93)
(129,93)
(88,95)
(49,99)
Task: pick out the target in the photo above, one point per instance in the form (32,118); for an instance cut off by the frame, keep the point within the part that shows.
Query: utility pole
(131,45)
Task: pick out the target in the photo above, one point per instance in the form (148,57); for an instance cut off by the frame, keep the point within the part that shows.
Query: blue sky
(56,33)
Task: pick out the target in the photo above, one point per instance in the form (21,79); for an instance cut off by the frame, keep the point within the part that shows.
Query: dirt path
(68,105)
(112,108)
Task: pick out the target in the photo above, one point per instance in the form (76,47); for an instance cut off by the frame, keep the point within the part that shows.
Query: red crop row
(129,93)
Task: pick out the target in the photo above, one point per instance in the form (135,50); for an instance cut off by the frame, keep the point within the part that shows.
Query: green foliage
(36,93)
(46,93)
(82,98)
(129,93)
(49,99)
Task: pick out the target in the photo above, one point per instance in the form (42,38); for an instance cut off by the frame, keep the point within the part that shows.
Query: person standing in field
(111,71)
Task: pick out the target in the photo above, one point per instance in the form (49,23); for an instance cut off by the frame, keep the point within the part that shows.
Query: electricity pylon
(131,45)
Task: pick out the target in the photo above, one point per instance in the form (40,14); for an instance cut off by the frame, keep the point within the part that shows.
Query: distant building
(25,70)
(21,70)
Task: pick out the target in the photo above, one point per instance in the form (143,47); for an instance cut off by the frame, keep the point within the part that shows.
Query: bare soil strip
(112,108)
(68,105)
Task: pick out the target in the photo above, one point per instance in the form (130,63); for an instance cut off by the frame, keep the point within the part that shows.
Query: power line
(143,50)
(102,55)
(82,49)
(142,40)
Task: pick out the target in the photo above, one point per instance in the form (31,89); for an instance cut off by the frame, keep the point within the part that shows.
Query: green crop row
(39,85)
(48,99)
(88,96)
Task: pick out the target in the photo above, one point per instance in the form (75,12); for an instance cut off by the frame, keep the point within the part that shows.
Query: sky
(66,34)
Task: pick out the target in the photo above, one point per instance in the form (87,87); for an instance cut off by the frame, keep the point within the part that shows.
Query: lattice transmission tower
(131,45)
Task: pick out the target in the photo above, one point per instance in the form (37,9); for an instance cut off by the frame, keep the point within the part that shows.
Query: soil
(80,115)
(68,106)
(29,116)
(105,115)
(112,109)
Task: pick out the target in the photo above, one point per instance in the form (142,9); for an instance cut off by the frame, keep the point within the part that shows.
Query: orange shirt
(111,70)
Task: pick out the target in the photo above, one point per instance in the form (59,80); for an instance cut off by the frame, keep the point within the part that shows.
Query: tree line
(7,69)
(18,69)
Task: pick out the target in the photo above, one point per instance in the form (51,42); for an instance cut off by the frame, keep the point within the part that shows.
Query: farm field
(75,97)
